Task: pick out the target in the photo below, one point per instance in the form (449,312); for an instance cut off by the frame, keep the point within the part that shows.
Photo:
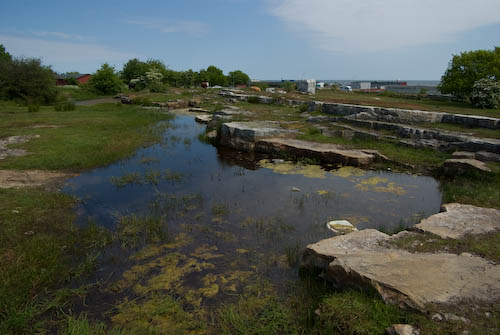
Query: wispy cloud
(65,55)
(340,26)
(60,35)
(191,27)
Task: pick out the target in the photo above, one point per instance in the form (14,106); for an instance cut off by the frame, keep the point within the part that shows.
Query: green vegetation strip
(81,139)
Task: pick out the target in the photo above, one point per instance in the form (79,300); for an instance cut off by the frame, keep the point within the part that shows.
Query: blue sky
(268,39)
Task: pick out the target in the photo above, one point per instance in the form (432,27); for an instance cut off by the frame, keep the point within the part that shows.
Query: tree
(467,68)
(238,78)
(26,79)
(133,69)
(213,75)
(105,80)
(5,63)
(4,55)
(486,93)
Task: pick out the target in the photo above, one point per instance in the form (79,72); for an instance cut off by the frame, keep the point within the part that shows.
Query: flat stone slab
(453,166)
(458,220)
(203,118)
(243,135)
(325,152)
(485,156)
(403,278)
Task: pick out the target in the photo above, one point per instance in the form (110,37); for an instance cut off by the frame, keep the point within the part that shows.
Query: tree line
(472,76)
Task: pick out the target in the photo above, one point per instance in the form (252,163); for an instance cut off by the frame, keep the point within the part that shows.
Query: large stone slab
(403,278)
(458,166)
(458,220)
(328,153)
(244,135)
(449,140)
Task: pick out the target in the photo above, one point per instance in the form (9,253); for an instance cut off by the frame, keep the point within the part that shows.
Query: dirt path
(31,178)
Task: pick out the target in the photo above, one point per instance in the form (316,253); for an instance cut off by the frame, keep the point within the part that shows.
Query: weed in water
(152,176)
(149,160)
(173,176)
(126,179)
(293,255)
(134,230)
(219,209)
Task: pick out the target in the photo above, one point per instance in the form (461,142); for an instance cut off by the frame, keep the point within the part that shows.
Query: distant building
(69,79)
(320,85)
(383,84)
(375,85)
(361,85)
(307,86)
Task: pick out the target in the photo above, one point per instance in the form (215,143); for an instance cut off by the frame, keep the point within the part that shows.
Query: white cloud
(190,27)
(340,26)
(59,35)
(63,55)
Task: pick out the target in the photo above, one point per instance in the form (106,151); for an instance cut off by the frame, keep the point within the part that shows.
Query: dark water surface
(234,214)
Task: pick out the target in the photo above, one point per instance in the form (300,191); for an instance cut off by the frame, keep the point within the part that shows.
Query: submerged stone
(341,226)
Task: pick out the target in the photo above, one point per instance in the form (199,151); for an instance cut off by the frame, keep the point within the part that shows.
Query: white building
(307,86)
(320,85)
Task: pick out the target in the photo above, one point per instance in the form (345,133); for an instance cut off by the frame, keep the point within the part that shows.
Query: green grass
(86,138)
(36,236)
(484,245)
(79,94)
(479,189)
(479,132)
(422,159)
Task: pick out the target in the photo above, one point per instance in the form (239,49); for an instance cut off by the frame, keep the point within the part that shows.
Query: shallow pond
(198,221)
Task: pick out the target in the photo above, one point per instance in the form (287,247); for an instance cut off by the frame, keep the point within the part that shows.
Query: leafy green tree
(467,68)
(105,80)
(238,78)
(486,93)
(213,75)
(133,69)
(26,79)
(5,64)
(4,55)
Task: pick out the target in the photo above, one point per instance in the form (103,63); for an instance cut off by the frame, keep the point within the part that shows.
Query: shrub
(27,80)
(486,93)
(142,101)
(64,106)
(33,108)
(105,80)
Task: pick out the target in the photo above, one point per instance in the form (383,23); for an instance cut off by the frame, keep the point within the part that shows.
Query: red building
(71,79)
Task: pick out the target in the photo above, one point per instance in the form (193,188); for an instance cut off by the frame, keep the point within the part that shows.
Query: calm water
(246,209)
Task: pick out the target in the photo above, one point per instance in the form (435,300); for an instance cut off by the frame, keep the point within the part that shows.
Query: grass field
(81,139)
(44,258)
(41,252)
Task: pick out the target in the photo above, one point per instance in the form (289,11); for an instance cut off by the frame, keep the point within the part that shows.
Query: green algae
(206,252)
(157,314)
(388,188)
(372,181)
(286,168)
(348,171)
(153,250)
